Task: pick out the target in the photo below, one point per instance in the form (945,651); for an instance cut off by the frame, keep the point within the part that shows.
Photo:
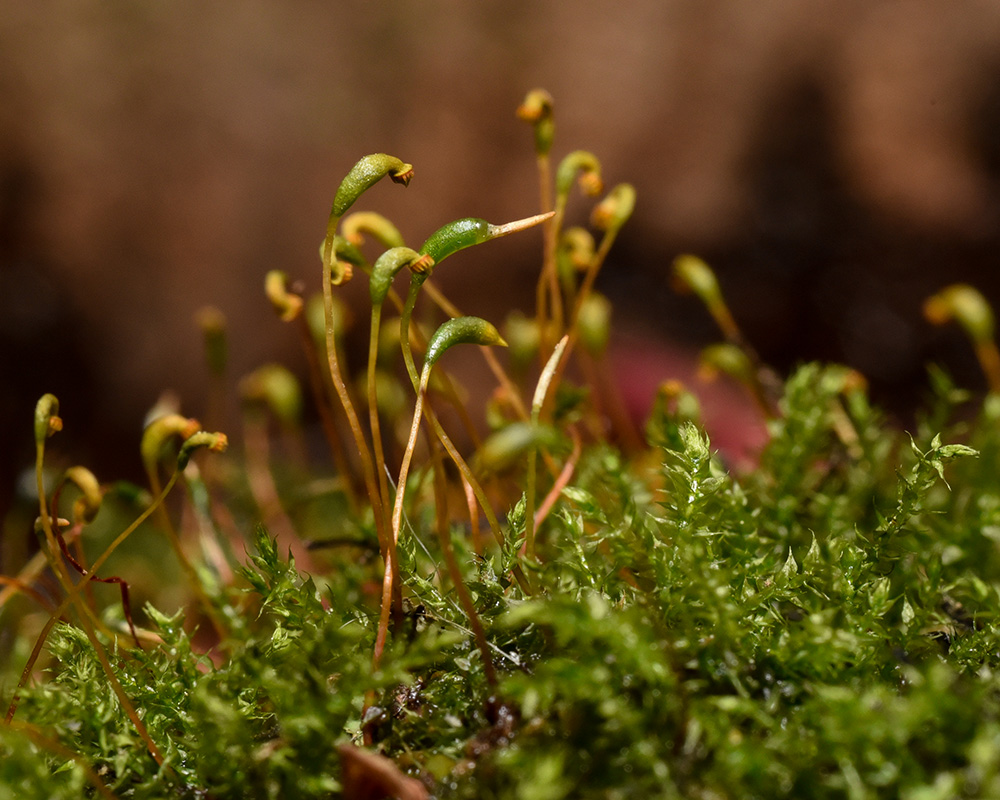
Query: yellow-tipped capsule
(615,209)
(47,420)
(388,266)
(365,174)
(216,442)
(287,305)
(86,506)
(587,166)
(576,250)
(159,432)
(537,109)
(355,226)
(691,274)
(964,304)
(345,256)
(969,308)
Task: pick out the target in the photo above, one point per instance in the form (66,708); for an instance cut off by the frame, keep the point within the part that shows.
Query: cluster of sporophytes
(559,609)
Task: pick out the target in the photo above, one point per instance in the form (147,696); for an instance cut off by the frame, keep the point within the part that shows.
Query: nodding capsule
(966,305)
(615,209)
(86,506)
(47,420)
(537,109)
(356,225)
(216,442)
(365,174)
(345,256)
(287,305)
(455,236)
(159,431)
(461,330)
(589,168)
(469,231)
(386,268)
(691,274)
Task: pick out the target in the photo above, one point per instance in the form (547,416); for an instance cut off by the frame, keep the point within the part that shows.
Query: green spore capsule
(694,275)
(594,323)
(159,432)
(356,225)
(386,268)
(576,250)
(461,330)
(287,305)
(537,109)
(966,305)
(345,256)
(725,358)
(455,236)
(348,251)
(469,231)
(615,209)
(365,174)
(47,419)
(587,166)
(216,442)
(86,506)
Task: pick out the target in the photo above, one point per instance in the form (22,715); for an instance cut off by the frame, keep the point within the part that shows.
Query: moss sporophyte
(641,620)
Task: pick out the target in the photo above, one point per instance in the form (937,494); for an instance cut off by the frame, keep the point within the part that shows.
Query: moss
(822,625)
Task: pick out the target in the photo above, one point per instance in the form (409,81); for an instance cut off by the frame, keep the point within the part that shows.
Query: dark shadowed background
(836,162)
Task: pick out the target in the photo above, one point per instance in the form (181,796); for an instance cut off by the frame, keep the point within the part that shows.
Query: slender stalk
(584,164)
(561,481)
(456,457)
(257,451)
(470,502)
(989,361)
(318,386)
(19,584)
(186,566)
(548,281)
(373,416)
(73,596)
(513,392)
(489,356)
(388,578)
(477,490)
(573,332)
(367,466)
(418,281)
(455,572)
(541,392)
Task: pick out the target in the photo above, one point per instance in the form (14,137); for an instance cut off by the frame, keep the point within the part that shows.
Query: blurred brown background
(835,161)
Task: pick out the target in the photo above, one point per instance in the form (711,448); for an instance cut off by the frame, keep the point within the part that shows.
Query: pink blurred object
(731,420)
